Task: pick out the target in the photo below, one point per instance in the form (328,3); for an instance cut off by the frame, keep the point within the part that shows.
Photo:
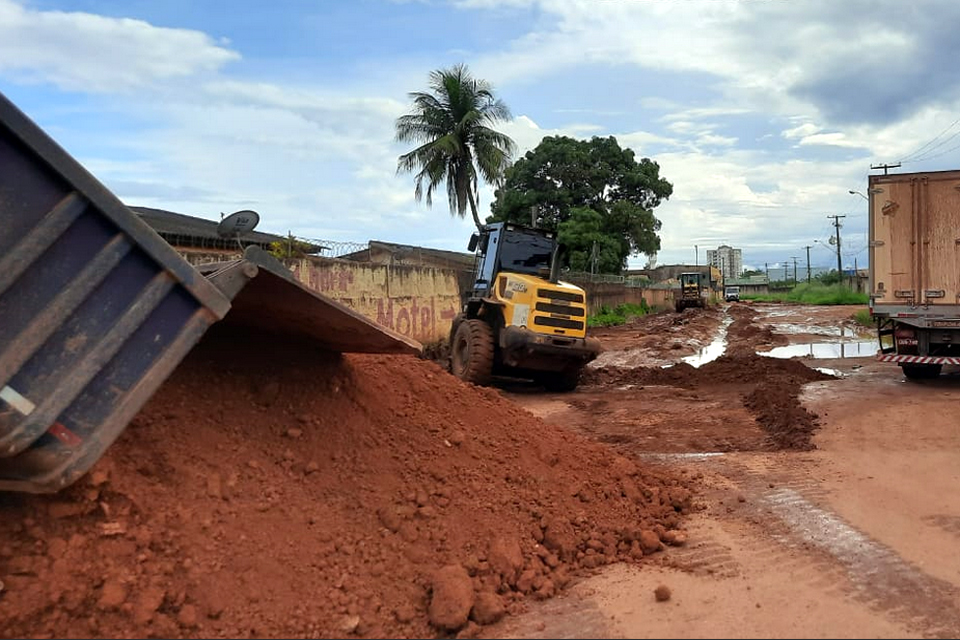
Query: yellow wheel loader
(519,320)
(692,291)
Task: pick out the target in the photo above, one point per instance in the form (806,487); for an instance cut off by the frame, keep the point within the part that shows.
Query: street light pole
(857,193)
(696,251)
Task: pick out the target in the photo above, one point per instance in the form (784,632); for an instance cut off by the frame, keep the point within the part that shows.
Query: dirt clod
(662,593)
(488,608)
(451,599)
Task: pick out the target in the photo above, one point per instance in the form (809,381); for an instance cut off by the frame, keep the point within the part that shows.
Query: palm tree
(452,123)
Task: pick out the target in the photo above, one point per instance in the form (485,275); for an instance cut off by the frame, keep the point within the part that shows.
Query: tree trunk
(473,209)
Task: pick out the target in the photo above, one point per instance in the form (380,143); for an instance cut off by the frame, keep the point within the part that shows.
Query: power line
(907,158)
(942,153)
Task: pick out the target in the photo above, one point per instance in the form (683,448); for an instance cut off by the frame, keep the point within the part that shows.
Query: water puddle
(682,456)
(713,350)
(849,349)
(830,372)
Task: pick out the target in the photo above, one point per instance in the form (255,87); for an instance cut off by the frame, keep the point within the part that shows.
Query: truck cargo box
(915,269)
(915,244)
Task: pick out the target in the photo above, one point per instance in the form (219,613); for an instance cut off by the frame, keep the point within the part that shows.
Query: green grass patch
(864,318)
(814,294)
(620,314)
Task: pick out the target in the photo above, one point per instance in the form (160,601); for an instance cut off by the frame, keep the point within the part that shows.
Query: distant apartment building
(727,259)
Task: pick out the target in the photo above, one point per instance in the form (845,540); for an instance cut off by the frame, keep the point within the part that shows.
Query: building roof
(412,253)
(749,280)
(193,231)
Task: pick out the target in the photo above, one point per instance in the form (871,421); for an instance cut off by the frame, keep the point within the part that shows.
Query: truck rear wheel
(921,371)
(471,352)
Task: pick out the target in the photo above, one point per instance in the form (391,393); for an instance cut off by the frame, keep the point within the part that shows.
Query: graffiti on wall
(417,318)
(414,302)
(326,280)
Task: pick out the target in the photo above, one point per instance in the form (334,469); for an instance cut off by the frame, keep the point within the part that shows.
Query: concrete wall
(418,302)
(202,256)
(608,294)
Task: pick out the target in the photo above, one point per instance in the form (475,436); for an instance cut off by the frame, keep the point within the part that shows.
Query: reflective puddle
(713,350)
(850,349)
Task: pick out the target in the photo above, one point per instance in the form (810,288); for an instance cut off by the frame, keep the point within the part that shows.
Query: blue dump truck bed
(96,310)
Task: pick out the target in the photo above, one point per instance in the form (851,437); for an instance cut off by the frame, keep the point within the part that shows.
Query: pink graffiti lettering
(414,317)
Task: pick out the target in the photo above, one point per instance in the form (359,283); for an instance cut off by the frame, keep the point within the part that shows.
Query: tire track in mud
(950,524)
(811,544)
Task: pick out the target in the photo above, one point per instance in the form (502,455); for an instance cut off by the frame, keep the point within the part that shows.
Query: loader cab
(690,282)
(510,248)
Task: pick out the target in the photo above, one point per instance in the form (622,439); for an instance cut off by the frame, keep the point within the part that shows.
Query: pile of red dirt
(772,389)
(778,410)
(727,369)
(746,337)
(269,490)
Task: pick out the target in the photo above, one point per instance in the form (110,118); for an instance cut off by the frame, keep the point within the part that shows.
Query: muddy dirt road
(851,532)
(283,493)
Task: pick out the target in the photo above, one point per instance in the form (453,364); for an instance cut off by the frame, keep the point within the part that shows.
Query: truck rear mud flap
(96,311)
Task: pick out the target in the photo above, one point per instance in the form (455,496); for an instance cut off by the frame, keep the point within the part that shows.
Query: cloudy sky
(763,115)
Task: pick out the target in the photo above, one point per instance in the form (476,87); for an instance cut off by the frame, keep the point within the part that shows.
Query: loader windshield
(523,252)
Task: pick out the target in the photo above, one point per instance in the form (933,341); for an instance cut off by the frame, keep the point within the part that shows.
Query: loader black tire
(471,352)
(561,381)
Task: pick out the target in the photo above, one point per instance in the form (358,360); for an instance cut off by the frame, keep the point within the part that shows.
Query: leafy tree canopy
(564,179)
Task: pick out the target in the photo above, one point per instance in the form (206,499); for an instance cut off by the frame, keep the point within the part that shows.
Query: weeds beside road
(816,294)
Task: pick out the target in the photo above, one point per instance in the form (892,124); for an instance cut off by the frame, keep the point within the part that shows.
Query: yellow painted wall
(419,302)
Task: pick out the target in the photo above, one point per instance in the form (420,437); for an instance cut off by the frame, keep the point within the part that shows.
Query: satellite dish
(238,223)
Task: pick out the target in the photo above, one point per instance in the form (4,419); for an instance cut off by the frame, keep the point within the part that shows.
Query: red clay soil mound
(739,368)
(745,337)
(775,386)
(751,368)
(678,375)
(268,490)
(779,412)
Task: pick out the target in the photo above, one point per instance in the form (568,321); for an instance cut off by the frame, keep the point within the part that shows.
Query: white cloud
(801,131)
(86,52)
(835,139)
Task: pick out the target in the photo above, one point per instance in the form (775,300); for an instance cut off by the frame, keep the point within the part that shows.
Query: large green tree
(554,183)
(452,125)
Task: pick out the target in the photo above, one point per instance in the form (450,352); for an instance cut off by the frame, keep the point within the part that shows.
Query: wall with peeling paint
(418,302)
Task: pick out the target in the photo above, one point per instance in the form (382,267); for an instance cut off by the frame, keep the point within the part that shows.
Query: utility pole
(836,223)
(885,167)
(696,259)
(808,263)
(794,258)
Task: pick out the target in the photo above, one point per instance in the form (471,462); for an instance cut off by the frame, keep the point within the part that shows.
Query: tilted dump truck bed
(96,310)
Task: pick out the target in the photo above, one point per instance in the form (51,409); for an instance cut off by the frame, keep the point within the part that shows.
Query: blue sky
(764,115)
